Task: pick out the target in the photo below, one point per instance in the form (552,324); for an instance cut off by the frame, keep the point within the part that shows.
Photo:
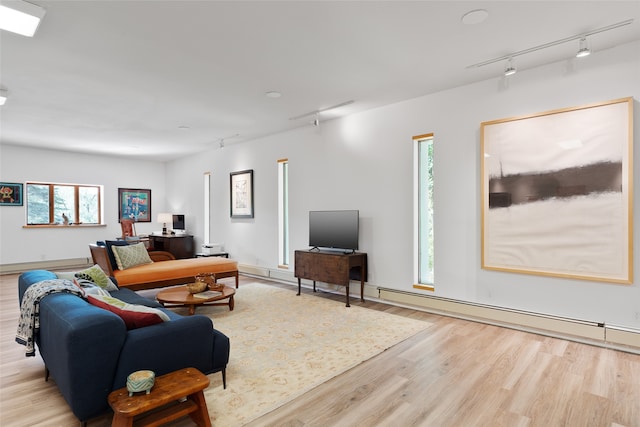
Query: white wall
(364,162)
(20,245)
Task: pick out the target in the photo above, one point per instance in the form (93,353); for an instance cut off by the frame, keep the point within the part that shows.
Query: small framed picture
(242,194)
(134,204)
(10,194)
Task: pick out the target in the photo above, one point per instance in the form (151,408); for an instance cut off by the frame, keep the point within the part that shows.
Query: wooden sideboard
(179,245)
(331,267)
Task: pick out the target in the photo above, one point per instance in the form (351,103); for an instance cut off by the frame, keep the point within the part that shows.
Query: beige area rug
(283,345)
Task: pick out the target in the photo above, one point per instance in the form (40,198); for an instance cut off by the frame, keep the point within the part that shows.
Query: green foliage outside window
(51,203)
(425,200)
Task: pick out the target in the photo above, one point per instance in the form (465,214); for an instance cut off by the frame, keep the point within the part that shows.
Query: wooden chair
(129,232)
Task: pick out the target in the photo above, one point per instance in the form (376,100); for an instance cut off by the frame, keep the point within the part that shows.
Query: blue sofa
(89,352)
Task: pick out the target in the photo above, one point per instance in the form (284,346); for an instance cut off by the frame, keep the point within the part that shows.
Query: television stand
(331,267)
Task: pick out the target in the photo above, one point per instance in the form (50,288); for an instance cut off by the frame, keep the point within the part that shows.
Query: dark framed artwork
(134,204)
(241,194)
(557,193)
(10,194)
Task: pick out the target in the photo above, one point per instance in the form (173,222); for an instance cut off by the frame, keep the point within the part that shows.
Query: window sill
(63,226)
(424,287)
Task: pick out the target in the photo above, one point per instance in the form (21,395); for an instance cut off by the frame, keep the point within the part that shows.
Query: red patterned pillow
(134,316)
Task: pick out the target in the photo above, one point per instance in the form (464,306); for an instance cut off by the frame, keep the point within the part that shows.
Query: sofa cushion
(134,316)
(110,244)
(127,295)
(96,275)
(131,255)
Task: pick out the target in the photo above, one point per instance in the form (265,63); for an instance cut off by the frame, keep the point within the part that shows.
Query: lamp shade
(165,218)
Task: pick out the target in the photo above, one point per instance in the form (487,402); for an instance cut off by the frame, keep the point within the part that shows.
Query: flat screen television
(334,229)
(178,222)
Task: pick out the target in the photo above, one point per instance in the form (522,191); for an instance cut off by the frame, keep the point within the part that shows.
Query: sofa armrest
(80,345)
(165,347)
(157,256)
(28,278)
(101,257)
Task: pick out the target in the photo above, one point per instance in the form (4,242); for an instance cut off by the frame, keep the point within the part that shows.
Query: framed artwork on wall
(10,194)
(557,193)
(134,204)
(241,194)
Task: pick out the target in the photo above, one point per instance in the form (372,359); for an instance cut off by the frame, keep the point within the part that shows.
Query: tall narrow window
(207,204)
(424,213)
(283,213)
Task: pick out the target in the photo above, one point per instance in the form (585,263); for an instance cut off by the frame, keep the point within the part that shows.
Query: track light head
(584,48)
(510,69)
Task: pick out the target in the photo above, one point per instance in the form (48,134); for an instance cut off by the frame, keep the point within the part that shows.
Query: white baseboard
(59,264)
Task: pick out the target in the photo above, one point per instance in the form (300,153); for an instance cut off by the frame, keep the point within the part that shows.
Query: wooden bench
(174,395)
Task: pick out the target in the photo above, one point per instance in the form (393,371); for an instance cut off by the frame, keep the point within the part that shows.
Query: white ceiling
(125,77)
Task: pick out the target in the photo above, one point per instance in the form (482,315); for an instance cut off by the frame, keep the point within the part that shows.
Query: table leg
(362,283)
(201,416)
(348,305)
(298,286)
(231,303)
(192,309)
(120,420)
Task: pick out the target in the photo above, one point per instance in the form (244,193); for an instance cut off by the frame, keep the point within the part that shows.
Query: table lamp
(164,218)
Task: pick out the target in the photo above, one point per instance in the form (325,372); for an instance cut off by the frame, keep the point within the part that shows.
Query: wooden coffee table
(181,297)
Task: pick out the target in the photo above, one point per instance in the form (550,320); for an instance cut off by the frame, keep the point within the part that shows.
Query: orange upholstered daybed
(165,270)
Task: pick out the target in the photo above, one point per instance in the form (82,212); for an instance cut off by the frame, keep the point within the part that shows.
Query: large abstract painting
(557,193)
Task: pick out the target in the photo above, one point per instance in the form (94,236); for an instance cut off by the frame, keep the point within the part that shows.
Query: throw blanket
(29,322)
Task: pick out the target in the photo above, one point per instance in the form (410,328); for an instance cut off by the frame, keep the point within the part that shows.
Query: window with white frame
(423,153)
(72,204)
(283,213)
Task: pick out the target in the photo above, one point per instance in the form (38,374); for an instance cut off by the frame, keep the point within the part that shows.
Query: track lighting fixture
(322,110)
(221,140)
(510,69)
(583,49)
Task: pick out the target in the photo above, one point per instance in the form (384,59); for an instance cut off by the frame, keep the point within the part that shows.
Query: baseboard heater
(590,332)
(597,333)
(59,264)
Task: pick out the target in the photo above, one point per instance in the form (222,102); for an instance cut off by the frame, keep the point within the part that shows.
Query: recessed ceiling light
(3,96)
(20,17)
(273,94)
(475,17)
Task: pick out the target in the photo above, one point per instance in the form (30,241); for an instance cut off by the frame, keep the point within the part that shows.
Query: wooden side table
(167,393)
(331,267)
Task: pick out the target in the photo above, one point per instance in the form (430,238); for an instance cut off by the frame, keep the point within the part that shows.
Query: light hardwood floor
(455,373)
